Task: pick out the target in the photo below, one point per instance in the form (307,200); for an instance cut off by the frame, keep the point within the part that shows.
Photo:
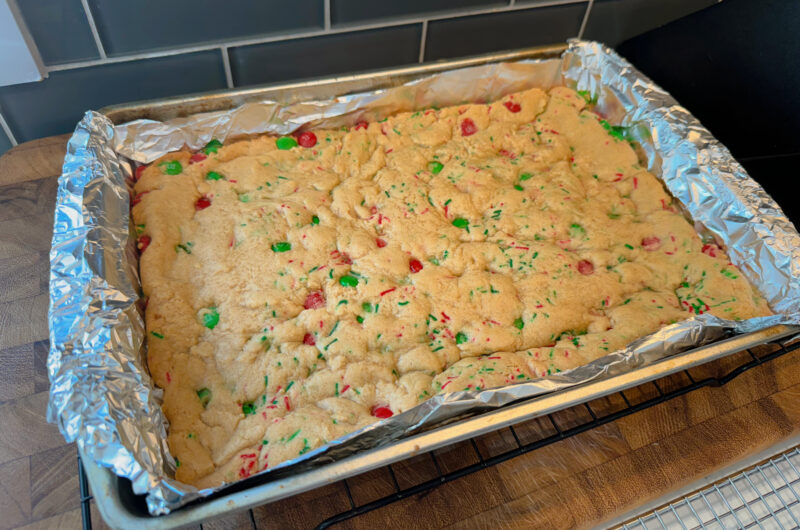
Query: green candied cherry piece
(172,167)
(212,146)
(525,176)
(366,306)
(314,220)
(213,175)
(285,142)
(205,396)
(435,167)
(281,246)
(461,338)
(348,281)
(518,323)
(248,408)
(460,222)
(211,318)
(360,319)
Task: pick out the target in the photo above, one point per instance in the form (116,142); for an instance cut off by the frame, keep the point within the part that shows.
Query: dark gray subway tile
(325,55)
(503,31)
(353,11)
(60,29)
(5,143)
(55,105)
(613,21)
(132,26)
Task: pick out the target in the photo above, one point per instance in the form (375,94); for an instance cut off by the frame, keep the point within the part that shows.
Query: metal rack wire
(764,496)
(654,395)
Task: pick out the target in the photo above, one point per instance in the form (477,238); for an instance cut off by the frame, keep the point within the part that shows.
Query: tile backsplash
(101,52)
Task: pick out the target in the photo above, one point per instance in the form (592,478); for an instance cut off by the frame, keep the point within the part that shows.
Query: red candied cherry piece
(415,265)
(138,173)
(382,412)
(585,267)
(512,107)
(202,203)
(314,300)
(197,157)
(309,339)
(380,242)
(468,127)
(361,125)
(710,250)
(651,243)
(307,139)
(143,242)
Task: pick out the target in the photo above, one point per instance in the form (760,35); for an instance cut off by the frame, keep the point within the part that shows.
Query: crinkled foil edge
(101,395)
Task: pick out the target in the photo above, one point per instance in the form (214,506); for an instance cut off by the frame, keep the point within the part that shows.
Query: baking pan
(121,508)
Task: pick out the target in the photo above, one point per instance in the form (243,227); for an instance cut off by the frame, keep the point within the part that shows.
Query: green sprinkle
(348,281)
(289,386)
(525,176)
(342,302)
(157,335)
(211,318)
(314,220)
(244,197)
(173,167)
(205,396)
(628,246)
(290,438)
(329,344)
(285,142)
(435,167)
(248,408)
(518,323)
(212,146)
(460,222)
(461,338)
(281,246)
(402,303)
(213,175)
(518,187)
(177,462)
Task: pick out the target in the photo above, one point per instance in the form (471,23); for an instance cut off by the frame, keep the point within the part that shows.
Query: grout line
(327,9)
(307,34)
(422,40)
(226,62)
(585,19)
(95,34)
(7,130)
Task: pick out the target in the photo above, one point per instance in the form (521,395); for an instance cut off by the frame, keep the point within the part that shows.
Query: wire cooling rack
(766,495)
(755,499)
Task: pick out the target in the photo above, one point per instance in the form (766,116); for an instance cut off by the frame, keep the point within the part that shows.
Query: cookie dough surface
(295,295)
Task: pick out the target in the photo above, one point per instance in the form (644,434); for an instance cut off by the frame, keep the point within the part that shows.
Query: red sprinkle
(309,339)
(138,198)
(197,157)
(307,139)
(512,107)
(202,203)
(344,389)
(143,243)
(382,412)
(286,402)
(468,127)
(380,242)
(314,300)
(710,250)
(651,243)
(169,377)
(387,291)
(361,125)
(415,265)
(138,173)
(585,267)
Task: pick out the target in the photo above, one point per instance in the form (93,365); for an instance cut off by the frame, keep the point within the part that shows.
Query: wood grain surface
(577,482)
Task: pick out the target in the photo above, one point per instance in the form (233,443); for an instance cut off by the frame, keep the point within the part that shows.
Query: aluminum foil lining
(101,395)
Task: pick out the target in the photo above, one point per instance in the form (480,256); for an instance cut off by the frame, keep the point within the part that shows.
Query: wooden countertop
(577,482)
